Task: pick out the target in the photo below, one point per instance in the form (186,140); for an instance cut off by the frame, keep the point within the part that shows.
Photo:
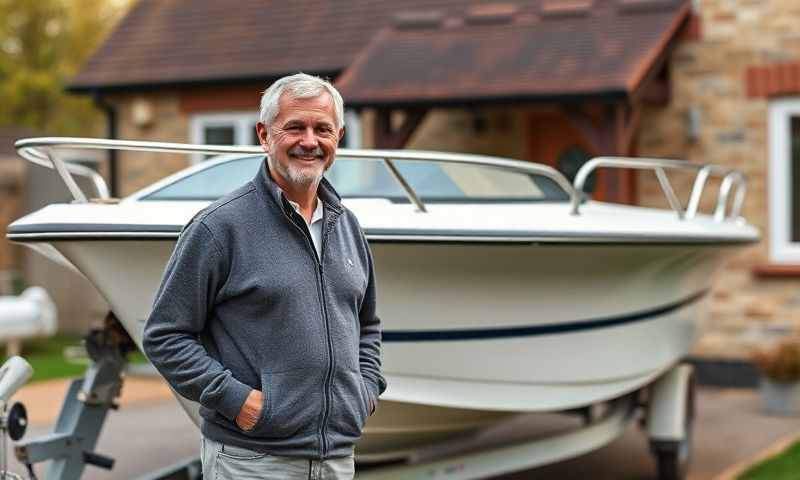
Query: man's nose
(309,139)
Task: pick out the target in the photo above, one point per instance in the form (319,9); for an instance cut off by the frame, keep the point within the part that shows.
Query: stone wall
(167,123)
(708,77)
(488,131)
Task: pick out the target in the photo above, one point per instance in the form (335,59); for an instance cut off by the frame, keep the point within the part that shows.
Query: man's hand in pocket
(251,410)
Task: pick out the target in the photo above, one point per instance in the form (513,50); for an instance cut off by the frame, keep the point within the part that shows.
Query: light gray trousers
(226,462)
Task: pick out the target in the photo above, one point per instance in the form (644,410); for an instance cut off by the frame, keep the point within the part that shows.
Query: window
(230,128)
(367,178)
(784,180)
(352,131)
(239,128)
(210,183)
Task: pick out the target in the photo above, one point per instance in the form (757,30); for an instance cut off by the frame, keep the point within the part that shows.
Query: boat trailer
(666,405)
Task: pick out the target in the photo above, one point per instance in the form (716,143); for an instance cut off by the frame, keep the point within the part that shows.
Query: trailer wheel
(673,457)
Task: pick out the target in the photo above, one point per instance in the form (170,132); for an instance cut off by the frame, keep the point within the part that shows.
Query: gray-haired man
(266,311)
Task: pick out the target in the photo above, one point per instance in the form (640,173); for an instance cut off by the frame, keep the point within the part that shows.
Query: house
(550,81)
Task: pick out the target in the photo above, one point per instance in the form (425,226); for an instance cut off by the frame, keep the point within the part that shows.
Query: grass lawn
(46,356)
(784,466)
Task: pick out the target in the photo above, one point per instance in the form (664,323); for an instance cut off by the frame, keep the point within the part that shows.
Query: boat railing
(731,179)
(44,151)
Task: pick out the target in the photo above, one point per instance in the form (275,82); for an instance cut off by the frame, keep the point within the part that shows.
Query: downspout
(111,122)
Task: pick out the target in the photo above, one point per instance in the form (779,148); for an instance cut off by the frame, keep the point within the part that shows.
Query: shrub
(780,362)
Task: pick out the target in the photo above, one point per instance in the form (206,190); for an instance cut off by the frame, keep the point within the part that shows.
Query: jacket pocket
(292,402)
(349,412)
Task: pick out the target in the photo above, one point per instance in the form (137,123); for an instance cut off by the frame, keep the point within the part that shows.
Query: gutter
(113,157)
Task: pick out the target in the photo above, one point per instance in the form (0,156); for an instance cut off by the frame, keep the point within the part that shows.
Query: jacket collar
(264,183)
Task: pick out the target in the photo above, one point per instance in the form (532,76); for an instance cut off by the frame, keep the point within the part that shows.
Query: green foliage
(780,362)
(46,356)
(43,43)
(785,466)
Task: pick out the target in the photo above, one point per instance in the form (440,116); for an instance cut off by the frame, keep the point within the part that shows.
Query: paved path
(149,432)
(730,429)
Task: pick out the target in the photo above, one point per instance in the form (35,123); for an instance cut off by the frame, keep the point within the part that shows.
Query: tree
(43,43)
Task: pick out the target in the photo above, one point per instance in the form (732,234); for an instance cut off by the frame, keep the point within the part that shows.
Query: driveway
(151,433)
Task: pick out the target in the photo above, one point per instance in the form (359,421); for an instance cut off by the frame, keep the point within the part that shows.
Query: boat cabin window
(440,182)
(210,183)
(370,178)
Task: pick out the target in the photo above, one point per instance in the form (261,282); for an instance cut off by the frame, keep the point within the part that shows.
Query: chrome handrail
(39,151)
(48,159)
(730,178)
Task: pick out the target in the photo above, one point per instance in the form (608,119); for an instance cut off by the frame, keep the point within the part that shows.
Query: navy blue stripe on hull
(546,329)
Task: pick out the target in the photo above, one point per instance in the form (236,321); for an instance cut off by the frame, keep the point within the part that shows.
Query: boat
(502,287)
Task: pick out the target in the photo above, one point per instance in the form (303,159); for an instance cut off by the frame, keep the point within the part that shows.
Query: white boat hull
(474,333)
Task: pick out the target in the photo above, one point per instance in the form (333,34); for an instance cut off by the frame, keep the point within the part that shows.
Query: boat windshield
(370,178)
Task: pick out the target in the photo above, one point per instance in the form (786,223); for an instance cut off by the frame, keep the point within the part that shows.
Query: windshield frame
(561,196)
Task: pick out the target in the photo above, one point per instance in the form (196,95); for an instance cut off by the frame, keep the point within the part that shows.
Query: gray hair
(299,85)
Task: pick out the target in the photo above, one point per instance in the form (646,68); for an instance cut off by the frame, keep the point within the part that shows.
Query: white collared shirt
(315,227)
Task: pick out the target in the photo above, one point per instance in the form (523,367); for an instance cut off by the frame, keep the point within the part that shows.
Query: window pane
(437,181)
(219,135)
(794,155)
(366,178)
(254,136)
(363,178)
(211,183)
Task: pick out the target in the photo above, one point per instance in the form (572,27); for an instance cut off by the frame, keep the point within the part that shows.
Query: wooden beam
(628,120)
(657,92)
(388,136)
(615,135)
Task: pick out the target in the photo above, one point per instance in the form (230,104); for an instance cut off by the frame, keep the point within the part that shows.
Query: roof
(169,42)
(571,48)
(391,52)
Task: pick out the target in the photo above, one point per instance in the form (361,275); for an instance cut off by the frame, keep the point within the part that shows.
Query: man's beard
(302,176)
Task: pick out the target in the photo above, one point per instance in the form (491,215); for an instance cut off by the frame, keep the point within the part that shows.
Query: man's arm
(370,341)
(193,277)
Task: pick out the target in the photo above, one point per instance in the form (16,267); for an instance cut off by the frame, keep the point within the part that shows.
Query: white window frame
(782,249)
(352,124)
(242,123)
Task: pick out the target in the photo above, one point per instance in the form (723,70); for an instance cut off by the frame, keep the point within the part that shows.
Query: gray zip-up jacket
(245,303)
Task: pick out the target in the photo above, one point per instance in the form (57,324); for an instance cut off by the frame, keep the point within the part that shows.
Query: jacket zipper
(321,292)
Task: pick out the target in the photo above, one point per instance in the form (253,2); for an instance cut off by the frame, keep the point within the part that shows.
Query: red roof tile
(457,49)
(190,41)
(580,47)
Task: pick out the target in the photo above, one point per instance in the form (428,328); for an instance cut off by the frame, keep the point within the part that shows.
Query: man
(266,311)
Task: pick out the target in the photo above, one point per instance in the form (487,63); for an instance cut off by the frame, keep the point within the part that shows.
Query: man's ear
(261,131)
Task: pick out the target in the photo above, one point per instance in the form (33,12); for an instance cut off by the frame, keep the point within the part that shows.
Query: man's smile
(306,155)
(307,158)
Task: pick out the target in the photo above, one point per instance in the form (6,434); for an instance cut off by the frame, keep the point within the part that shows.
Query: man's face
(302,140)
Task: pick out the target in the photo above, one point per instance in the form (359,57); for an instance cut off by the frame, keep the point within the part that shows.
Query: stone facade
(163,122)
(709,82)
